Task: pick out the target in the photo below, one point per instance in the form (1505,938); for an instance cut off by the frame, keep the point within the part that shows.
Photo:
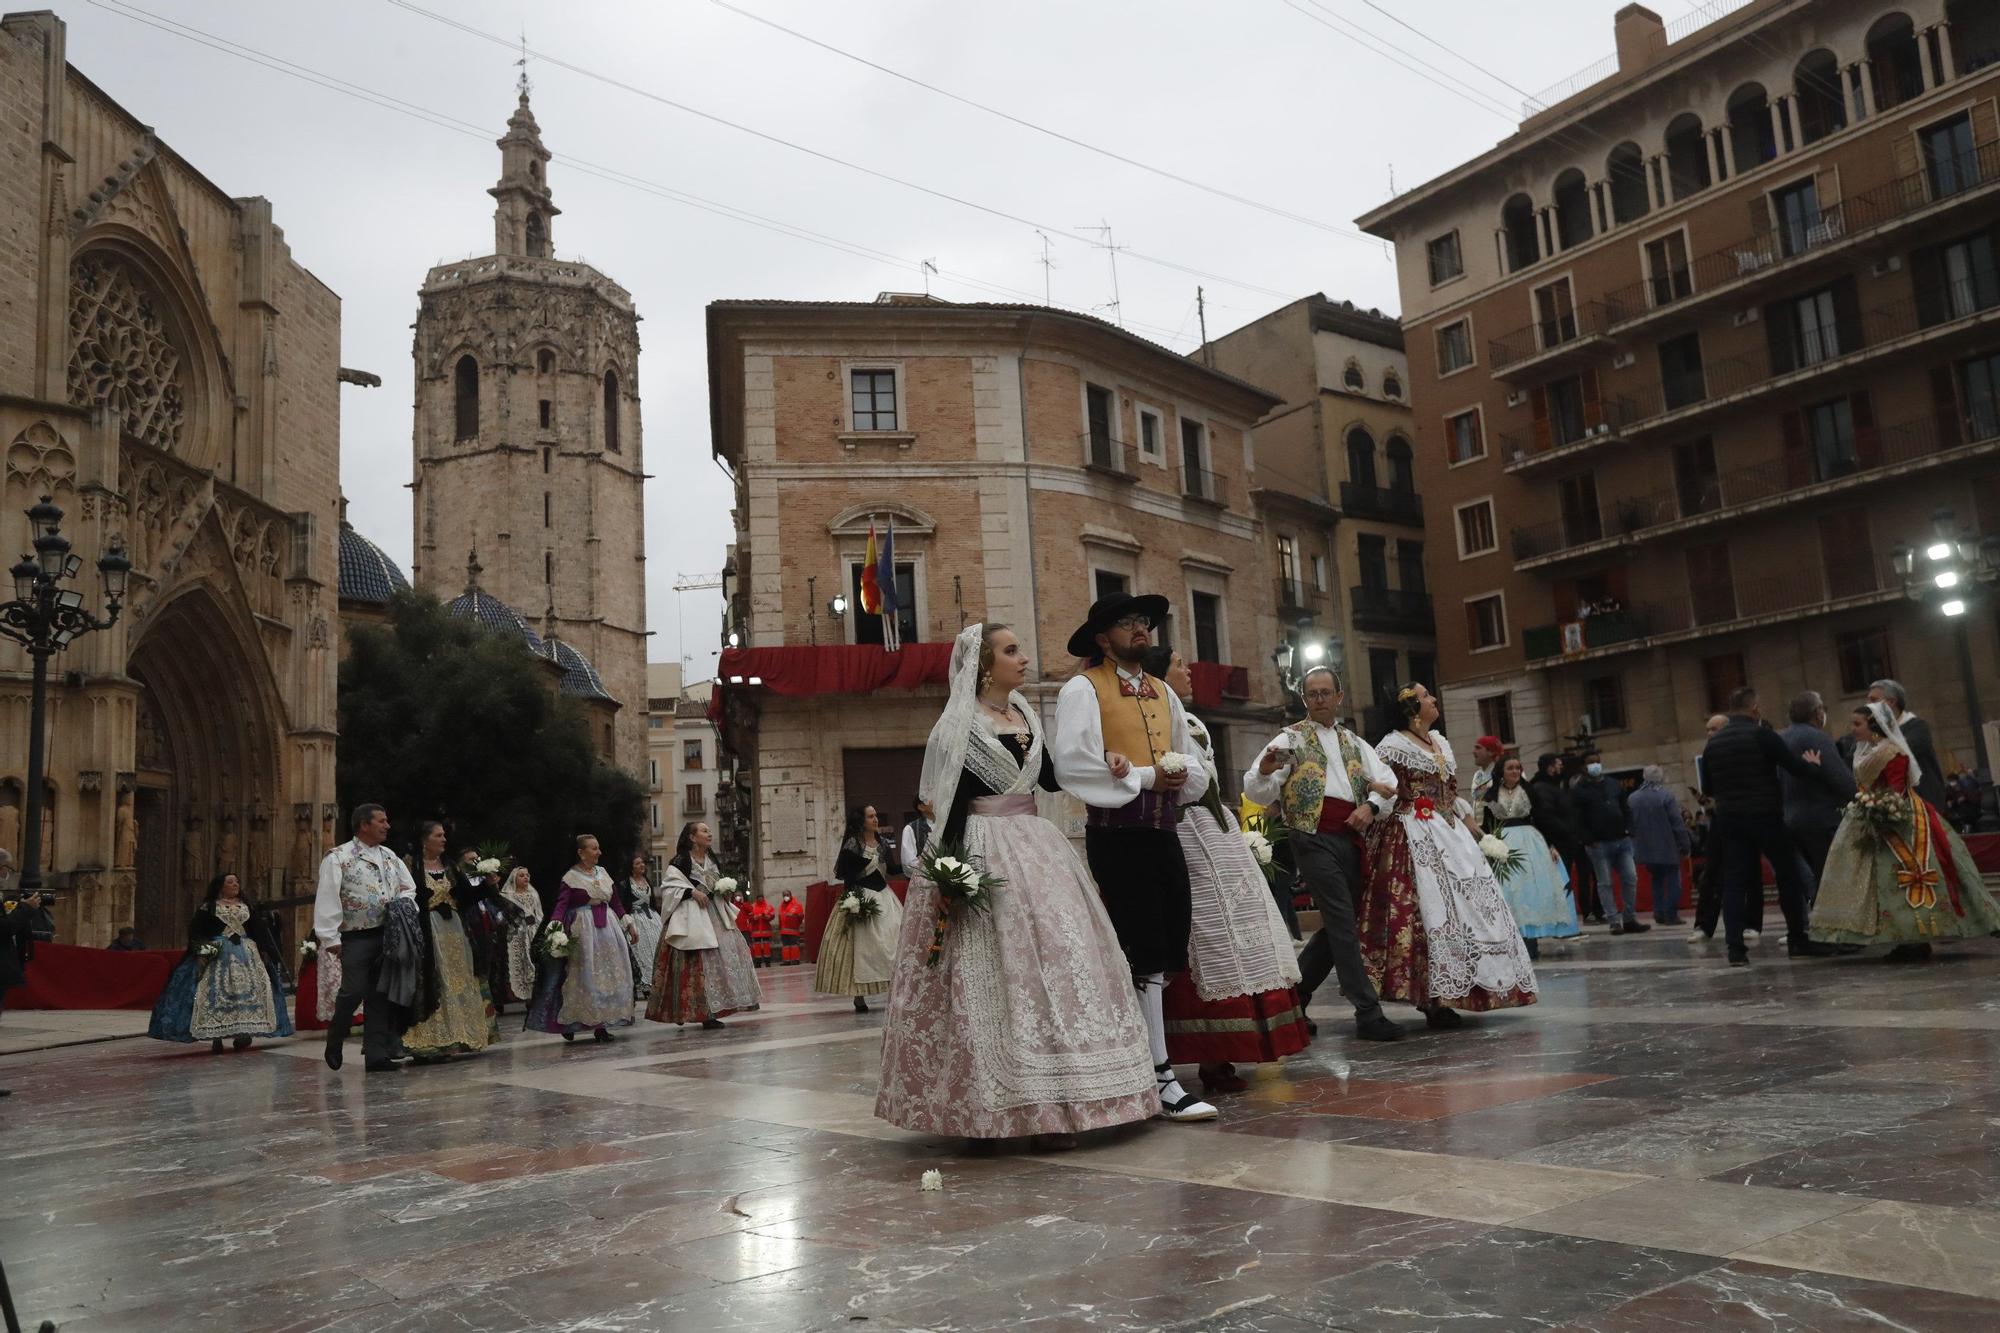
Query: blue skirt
(173,1012)
(1538,893)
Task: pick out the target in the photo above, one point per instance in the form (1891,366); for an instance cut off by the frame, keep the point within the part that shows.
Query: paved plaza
(1662,1143)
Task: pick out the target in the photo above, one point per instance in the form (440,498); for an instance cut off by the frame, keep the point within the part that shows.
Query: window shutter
(1847,314)
(1538,399)
(1798,466)
(1867,440)
(1985,119)
(1903,148)
(1944,401)
(1927,276)
(1593,405)
(1779,336)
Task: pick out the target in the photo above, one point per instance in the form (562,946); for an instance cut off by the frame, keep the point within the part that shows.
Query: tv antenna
(1117,307)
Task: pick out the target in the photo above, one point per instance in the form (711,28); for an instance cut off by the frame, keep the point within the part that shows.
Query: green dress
(1912,883)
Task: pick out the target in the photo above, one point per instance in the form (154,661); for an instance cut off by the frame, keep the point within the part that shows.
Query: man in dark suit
(1917,733)
(1812,809)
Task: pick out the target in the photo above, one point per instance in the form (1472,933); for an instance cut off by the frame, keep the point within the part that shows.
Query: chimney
(1641,38)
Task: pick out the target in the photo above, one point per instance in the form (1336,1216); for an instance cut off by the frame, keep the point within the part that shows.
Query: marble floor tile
(1697,1216)
(1917,1245)
(1754,1298)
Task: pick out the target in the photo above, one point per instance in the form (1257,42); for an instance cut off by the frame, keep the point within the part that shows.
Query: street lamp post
(1953,570)
(46,618)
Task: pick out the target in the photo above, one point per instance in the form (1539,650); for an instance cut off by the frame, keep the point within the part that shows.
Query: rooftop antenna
(930,267)
(1048,265)
(1117,307)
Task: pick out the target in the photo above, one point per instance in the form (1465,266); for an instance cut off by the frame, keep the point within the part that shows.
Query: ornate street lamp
(46,618)
(1951,571)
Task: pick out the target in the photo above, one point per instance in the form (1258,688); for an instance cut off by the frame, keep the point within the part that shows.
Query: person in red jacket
(763,926)
(791,930)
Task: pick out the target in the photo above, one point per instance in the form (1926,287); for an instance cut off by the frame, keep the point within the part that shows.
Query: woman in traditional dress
(233,993)
(857,954)
(1904,883)
(1028,1024)
(1236,1001)
(636,892)
(1537,892)
(511,979)
(464,1020)
(591,985)
(1435,929)
(700,985)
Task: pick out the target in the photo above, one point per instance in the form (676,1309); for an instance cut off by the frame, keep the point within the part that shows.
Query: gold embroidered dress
(465,1019)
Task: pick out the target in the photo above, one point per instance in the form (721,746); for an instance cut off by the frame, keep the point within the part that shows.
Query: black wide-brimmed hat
(1108,611)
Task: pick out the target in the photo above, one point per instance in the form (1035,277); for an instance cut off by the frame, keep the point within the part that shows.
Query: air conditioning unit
(1884,267)
(1514,397)
(1742,317)
(1622,360)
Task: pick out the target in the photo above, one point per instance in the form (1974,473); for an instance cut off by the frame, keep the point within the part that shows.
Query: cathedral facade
(169,376)
(527,443)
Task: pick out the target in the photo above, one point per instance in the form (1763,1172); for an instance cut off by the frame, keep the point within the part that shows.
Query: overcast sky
(1259,98)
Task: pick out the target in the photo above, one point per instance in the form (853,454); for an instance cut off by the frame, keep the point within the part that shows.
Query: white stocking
(1152,1002)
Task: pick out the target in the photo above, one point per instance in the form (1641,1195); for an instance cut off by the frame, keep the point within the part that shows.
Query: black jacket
(16,946)
(1740,766)
(1601,812)
(1555,813)
(1917,733)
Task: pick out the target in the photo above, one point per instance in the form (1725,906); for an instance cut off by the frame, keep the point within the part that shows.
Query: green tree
(443,718)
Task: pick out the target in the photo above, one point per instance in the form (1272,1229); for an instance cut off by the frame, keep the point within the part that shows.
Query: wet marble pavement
(1663,1143)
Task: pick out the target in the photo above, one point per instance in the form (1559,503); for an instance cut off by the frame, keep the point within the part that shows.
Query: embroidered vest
(366,887)
(1142,730)
(1305,789)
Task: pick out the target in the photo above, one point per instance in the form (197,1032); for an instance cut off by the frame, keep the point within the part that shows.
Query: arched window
(1750,135)
(1517,220)
(1572,196)
(538,241)
(1630,197)
(611,410)
(1392,385)
(1687,156)
(1402,464)
(545,362)
(1898,70)
(465,385)
(1822,108)
(1352,378)
(1360,457)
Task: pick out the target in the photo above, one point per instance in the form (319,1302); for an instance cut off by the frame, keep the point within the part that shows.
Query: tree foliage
(443,718)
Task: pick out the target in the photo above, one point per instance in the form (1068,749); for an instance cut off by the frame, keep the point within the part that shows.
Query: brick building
(1337,492)
(1031,459)
(682,759)
(528,449)
(1692,353)
(170,375)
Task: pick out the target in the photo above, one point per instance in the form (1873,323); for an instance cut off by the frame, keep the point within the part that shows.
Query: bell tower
(527,440)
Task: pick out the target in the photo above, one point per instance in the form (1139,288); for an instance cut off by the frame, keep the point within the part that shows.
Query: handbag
(690,929)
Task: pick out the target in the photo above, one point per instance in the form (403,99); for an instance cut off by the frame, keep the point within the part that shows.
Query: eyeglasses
(1322,694)
(1133,622)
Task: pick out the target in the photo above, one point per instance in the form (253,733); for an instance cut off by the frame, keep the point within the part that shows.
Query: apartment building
(1693,354)
(1343,519)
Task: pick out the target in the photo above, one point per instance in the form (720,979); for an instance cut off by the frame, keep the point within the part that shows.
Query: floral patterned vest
(1305,789)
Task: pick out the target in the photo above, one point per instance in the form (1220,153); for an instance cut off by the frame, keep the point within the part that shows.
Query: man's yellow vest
(1142,730)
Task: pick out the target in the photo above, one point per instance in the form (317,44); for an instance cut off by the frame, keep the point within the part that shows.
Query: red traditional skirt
(1394,947)
(1245,1029)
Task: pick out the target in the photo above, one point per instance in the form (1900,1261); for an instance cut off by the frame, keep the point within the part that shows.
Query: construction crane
(687,583)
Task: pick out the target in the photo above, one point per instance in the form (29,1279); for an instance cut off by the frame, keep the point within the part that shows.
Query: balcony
(1108,457)
(1761,258)
(1521,452)
(1297,602)
(1391,609)
(1388,503)
(1887,454)
(1875,335)
(1721,608)
(1204,487)
(1217,683)
(1548,344)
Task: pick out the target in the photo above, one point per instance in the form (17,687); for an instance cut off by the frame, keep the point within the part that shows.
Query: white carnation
(1260,846)
(1171,764)
(1495,850)
(726,886)
(489,866)
(933,1179)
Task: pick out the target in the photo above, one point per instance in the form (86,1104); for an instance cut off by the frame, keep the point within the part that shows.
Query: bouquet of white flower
(859,904)
(554,943)
(1260,846)
(1877,813)
(1506,862)
(210,949)
(725,888)
(960,880)
(488,865)
(309,951)
(1171,764)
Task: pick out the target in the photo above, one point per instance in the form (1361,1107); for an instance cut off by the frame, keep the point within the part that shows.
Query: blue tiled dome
(366,574)
(477,604)
(580,678)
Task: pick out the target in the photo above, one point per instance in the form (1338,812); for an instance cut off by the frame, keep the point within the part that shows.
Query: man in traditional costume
(1114,726)
(791,930)
(357,882)
(1319,775)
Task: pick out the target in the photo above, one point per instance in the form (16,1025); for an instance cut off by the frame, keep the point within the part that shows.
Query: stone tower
(527,438)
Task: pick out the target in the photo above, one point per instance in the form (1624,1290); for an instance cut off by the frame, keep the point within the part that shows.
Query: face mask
(1595,770)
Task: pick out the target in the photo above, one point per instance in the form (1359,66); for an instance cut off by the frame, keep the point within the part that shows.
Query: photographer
(16,933)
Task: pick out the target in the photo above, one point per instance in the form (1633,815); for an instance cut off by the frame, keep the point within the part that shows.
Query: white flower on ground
(933,1179)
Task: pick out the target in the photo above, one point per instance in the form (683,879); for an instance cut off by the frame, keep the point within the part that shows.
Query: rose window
(124,358)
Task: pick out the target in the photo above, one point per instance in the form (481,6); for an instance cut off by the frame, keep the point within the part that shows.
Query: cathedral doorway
(206,756)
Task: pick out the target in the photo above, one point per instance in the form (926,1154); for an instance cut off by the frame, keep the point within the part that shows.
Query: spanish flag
(871,585)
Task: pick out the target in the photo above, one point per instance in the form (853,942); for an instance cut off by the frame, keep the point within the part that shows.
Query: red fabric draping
(819,907)
(1214,681)
(64,976)
(305,1004)
(1985,849)
(802,672)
